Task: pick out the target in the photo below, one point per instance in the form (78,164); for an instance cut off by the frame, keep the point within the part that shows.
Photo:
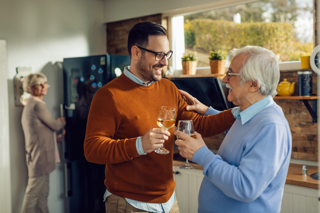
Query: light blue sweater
(248,172)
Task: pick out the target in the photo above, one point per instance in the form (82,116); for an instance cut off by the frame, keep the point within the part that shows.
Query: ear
(254,86)
(135,53)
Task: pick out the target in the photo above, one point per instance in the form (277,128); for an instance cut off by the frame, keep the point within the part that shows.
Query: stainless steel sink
(315,176)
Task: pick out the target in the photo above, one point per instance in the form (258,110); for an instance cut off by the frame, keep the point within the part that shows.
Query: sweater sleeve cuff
(202,156)
(139,146)
(131,148)
(211,111)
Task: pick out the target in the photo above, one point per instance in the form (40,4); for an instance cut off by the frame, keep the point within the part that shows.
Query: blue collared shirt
(252,110)
(246,115)
(150,207)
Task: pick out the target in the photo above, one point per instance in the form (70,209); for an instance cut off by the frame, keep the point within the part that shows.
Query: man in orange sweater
(122,127)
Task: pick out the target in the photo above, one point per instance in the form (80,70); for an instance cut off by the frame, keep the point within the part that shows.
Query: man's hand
(187,145)
(194,103)
(153,139)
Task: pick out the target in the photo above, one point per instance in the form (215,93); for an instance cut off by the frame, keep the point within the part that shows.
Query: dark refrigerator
(83,76)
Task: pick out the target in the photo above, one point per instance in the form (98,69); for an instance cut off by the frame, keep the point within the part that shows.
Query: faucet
(304,170)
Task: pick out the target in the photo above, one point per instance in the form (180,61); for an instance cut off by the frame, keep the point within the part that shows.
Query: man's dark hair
(140,32)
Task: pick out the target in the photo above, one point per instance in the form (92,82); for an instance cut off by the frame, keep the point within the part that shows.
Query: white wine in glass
(166,120)
(186,126)
(166,124)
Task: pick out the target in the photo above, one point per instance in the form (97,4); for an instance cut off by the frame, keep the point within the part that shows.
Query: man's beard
(146,72)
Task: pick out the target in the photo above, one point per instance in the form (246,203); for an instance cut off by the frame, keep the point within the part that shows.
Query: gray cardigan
(38,126)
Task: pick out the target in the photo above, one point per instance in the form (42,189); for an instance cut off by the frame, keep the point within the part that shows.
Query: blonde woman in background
(39,128)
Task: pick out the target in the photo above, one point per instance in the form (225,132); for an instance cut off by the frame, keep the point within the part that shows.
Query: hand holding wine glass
(186,126)
(166,120)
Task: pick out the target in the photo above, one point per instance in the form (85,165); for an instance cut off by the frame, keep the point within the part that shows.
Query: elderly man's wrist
(205,110)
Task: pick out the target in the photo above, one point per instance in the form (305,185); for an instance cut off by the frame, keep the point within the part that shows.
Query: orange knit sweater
(120,112)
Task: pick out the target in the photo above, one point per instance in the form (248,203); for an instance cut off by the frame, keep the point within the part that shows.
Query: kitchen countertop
(294,176)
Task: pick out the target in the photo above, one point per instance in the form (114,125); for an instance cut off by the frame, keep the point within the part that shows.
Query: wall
(117,33)
(304,131)
(144,7)
(116,10)
(40,34)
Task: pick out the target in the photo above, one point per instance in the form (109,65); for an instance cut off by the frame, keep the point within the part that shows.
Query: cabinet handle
(176,172)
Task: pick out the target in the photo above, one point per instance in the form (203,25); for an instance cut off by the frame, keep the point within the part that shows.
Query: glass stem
(163,143)
(187,162)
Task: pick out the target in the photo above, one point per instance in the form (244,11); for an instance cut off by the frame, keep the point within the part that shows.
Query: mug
(305,62)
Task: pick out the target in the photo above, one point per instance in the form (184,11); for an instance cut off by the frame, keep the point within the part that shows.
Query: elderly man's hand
(195,104)
(188,145)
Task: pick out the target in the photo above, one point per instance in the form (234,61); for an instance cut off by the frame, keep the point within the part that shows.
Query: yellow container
(305,62)
(285,88)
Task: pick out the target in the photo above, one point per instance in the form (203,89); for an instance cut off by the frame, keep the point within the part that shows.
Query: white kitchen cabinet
(298,199)
(188,183)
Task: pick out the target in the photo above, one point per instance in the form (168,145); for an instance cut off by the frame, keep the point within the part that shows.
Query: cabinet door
(297,199)
(187,188)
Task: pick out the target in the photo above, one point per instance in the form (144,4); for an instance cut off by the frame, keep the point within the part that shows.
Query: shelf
(297,97)
(305,99)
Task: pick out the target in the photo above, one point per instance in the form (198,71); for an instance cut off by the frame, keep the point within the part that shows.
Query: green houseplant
(218,61)
(189,63)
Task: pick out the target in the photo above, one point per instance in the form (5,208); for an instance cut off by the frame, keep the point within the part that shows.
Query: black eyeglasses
(229,73)
(159,55)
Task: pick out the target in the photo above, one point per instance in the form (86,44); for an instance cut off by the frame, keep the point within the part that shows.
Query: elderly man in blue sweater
(248,172)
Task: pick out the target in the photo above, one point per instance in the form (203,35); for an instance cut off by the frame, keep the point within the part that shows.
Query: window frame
(289,65)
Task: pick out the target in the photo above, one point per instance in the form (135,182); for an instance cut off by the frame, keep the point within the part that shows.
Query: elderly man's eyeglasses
(159,55)
(229,73)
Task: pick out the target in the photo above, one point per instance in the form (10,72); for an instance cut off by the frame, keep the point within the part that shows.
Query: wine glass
(166,120)
(186,126)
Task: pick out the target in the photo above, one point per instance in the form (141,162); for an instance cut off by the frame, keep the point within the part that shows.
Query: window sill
(200,70)
(284,67)
(290,66)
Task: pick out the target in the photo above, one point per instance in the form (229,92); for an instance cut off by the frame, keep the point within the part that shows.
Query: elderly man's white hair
(32,80)
(261,66)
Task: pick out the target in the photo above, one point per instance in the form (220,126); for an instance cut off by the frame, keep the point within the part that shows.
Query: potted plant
(189,63)
(218,61)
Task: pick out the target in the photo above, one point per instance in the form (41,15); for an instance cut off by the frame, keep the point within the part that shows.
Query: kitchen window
(283,26)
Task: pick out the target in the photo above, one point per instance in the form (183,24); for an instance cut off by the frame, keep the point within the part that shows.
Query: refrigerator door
(85,187)
(83,76)
(117,64)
